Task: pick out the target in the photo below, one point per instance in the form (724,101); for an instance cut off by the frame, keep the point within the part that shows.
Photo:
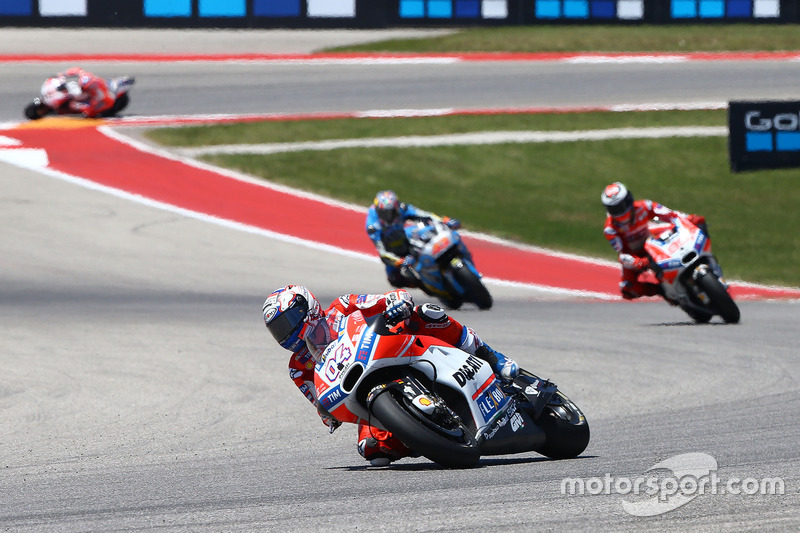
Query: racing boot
(505,367)
(380,447)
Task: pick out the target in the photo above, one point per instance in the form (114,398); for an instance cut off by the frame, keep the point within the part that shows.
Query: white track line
(479,138)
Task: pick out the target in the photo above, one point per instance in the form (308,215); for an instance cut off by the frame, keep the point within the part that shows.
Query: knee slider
(432,313)
(368,447)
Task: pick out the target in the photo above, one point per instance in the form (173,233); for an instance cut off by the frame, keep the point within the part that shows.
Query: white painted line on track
(479,138)
(650,59)
(32,161)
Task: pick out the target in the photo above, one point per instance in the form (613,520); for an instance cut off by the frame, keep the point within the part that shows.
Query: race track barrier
(385,13)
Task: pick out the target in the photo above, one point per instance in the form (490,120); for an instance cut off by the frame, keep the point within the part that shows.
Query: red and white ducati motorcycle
(441,402)
(54,98)
(688,272)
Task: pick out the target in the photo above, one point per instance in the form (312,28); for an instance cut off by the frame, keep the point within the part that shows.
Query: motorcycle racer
(298,323)
(626,229)
(77,91)
(385,219)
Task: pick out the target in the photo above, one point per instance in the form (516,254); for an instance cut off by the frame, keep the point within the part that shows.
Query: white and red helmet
(617,200)
(54,92)
(287,313)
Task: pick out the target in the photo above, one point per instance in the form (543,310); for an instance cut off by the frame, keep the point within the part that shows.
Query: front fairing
(439,250)
(331,364)
(678,249)
(677,246)
(360,353)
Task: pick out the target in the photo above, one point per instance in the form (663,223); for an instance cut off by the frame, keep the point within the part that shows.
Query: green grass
(562,38)
(548,194)
(316,130)
(544,194)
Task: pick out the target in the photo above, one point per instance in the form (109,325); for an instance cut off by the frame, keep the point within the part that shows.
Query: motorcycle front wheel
(445,440)
(721,300)
(36,110)
(120,103)
(477,292)
(698,315)
(565,428)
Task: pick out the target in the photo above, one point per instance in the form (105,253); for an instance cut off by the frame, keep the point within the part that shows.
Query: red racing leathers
(628,236)
(94,96)
(373,441)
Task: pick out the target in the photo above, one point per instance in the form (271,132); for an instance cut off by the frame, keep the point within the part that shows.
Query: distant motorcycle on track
(444,265)
(55,98)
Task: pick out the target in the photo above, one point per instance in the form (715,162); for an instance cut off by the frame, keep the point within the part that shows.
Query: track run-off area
(172,180)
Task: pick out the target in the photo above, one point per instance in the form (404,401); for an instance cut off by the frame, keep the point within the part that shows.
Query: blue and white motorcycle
(444,266)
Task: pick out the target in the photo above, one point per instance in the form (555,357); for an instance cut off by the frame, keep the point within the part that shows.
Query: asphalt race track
(253,87)
(140,390)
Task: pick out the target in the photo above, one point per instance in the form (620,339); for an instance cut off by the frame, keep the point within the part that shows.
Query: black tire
(35,111)
(447,447)
(721,300)
(565,427)
(119,104)
(477,292)
(698,315)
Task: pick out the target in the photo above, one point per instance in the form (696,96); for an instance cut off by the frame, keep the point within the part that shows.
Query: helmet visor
(388,215)
(287,323)
(620,209)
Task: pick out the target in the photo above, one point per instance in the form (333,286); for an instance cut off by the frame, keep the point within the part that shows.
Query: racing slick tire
(475,289)
(721,300)
(452,447)
(565,428)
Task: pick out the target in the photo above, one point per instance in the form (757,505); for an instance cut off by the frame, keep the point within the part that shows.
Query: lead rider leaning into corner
(626,229)
(298,323)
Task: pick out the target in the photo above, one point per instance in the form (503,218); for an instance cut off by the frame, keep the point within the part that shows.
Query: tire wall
(385,13)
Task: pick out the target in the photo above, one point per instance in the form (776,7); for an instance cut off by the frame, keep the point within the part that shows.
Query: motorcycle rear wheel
(721,300)
(565,427)
(476,290)
(450,447)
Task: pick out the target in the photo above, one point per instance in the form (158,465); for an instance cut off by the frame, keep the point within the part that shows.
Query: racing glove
(697,220)
(328,419)
(405,262)
(633,262)
(452,223)
(73,89)
(399,306)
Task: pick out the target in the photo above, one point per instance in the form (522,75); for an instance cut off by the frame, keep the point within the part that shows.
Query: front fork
(712,267)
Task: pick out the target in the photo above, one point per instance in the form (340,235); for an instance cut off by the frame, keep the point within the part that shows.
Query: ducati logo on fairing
(468,370)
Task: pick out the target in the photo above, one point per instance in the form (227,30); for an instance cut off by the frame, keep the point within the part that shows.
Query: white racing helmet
(617,200)
(54,92)
(293,316)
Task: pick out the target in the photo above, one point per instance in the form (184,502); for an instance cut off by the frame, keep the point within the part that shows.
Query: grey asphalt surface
(257,87)
(139,389)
